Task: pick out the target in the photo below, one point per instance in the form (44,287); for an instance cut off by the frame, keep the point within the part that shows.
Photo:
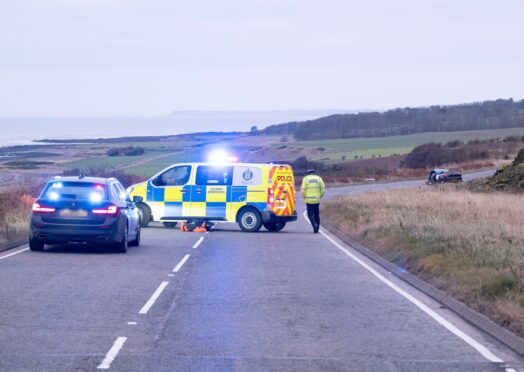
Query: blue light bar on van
(220,157)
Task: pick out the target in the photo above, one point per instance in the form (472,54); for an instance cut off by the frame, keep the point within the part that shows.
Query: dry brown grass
(469,244)
(15,207)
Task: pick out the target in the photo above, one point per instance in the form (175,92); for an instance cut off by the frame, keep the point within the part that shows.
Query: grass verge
(15,207)
(470,245)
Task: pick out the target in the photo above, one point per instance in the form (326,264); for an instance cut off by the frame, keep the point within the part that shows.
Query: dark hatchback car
(85,210)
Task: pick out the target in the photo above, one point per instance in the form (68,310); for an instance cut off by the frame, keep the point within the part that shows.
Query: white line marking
(131,323)
(170,275)
(12,254)
(483,350)
(112,353)
(181,263)
(198,242)
(153,298)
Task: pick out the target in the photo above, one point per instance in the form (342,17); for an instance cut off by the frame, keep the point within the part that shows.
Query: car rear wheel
(36,245)
(136,242)
(121,247)
(250,220)
(146,214)
(170,225)
(275,226)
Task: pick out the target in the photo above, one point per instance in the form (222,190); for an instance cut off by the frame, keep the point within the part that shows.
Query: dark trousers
(313,213)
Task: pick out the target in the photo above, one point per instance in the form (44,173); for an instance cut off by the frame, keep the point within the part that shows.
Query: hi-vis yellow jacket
(312,189)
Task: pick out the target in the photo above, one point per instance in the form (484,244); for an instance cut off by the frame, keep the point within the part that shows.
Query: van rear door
(282,192)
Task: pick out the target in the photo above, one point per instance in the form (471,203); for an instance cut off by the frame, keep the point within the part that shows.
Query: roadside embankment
(15,206)
(470,245)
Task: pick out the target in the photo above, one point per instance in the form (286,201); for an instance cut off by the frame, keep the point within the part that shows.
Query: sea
(25,130)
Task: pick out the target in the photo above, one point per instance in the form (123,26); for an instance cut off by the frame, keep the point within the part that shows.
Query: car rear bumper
(271,217)
(56,234)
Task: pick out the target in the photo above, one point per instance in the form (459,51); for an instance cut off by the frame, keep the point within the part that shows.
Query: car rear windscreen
(75,191)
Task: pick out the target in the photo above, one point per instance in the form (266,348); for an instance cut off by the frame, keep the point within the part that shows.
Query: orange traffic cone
(202,228)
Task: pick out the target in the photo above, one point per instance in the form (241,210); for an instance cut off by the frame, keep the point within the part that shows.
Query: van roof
(230,164)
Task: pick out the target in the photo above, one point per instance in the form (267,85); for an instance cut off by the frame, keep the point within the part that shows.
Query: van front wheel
(146,214)
(250,220)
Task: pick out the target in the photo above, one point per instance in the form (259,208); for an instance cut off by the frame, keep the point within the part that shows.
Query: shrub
(455,143)
(126,151)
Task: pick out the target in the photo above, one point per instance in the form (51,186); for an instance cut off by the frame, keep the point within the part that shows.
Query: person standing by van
(312,190)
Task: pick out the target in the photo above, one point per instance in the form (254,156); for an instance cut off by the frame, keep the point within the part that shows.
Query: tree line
(496,114)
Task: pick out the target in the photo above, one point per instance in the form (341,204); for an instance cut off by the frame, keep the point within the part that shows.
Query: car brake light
(112,209)
(38,208)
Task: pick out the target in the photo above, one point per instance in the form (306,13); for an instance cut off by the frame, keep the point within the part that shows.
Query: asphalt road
(227,300)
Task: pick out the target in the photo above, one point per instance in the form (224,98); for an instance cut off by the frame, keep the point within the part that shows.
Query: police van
(252,195)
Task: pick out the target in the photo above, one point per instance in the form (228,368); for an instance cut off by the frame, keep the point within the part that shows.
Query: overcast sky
(150,57)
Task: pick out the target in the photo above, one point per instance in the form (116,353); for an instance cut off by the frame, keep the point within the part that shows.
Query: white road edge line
(12,254)
(198,242)
(153,298)
(483,350)
(112,353)
(181,263)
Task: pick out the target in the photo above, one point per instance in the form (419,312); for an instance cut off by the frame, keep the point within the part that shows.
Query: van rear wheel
(275,226)
(250,220)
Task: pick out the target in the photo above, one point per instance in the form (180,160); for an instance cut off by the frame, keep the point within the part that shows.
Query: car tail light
(270,196)
(111,210)
(42,209)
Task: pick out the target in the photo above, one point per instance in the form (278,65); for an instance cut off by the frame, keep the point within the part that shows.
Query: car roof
(83,179)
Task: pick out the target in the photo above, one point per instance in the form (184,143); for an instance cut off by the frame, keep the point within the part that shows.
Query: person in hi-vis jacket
(312,190)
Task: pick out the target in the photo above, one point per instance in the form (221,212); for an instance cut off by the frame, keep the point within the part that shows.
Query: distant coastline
(25,131)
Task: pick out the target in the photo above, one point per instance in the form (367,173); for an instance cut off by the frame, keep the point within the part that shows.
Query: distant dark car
(85,210)
(443,176)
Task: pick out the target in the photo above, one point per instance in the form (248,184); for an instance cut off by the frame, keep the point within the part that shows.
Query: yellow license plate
(73,213)
(281,203)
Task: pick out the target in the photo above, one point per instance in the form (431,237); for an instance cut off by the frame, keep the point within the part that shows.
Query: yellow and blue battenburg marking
(216,202)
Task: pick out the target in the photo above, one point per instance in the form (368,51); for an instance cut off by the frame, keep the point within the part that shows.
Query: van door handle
(198,191)
(183,191)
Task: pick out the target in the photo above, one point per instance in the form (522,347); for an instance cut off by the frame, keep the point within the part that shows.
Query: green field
(154,166)
(368,153)
(104,161)
(385,146)
(160,155)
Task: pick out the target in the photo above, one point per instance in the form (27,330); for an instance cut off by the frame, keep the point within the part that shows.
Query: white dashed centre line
(112,353)
(153,298)
(198,242)
(131,323)
(12,254)
(181,263)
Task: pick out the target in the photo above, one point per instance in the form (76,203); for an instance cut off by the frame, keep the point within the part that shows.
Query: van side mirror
(137,199)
